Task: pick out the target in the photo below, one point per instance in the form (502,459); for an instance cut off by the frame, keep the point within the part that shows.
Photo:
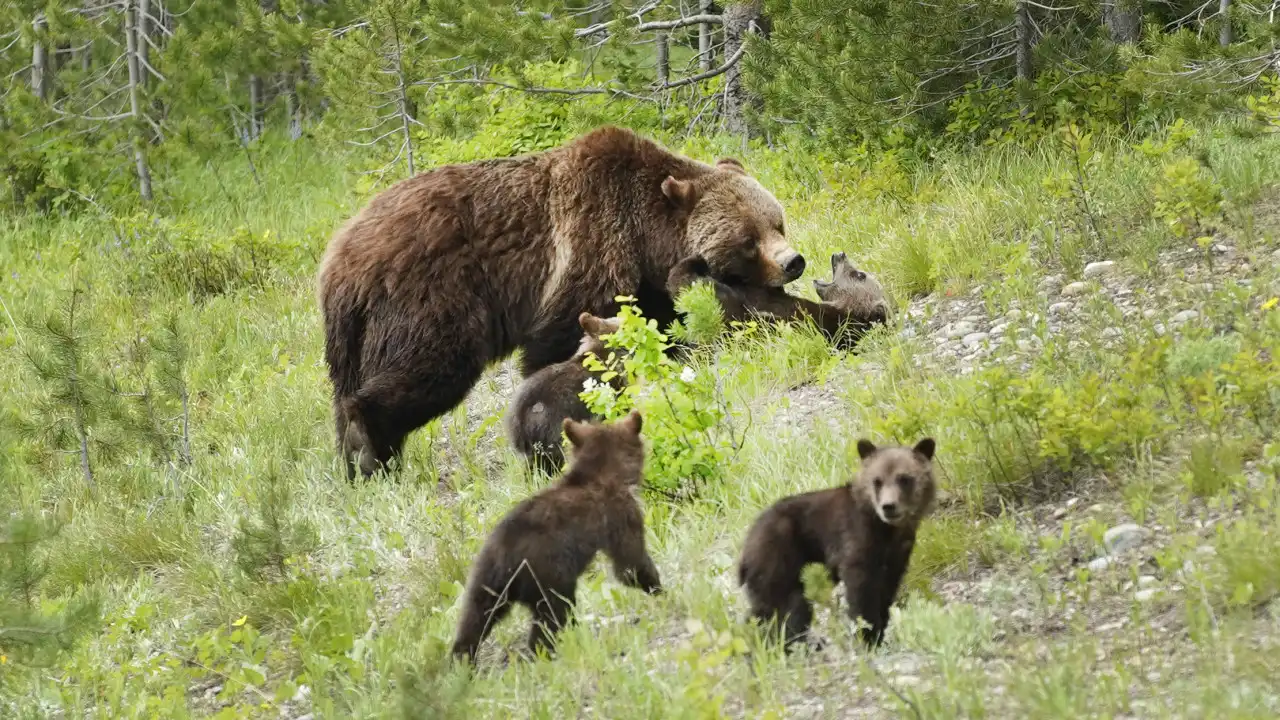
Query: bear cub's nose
(794,267)
(890,510)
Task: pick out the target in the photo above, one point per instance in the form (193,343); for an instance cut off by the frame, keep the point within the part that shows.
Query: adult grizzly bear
(446,272)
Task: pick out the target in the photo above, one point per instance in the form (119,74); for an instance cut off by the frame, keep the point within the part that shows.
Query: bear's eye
(878,483)
(905,482)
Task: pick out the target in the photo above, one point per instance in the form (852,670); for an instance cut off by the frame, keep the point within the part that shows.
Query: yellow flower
(1270,303)
(241,621)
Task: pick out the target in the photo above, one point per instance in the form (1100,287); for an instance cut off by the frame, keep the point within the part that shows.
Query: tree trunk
(39,62)
(255,106)
(1224,34)
(1023,32)
(705,56)
(144,33)
(664,66)
(1123,19)
(738,19)
(139,145)
(291,106)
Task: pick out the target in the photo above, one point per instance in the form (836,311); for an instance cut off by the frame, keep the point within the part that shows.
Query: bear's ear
(732,165)
(925,447)
(575,431)
(680,192)
(632,422)
(865,449)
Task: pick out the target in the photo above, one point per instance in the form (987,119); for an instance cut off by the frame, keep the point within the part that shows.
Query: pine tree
(265,541)
(27,633)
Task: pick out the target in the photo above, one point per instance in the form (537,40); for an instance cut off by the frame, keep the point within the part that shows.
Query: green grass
(359,603)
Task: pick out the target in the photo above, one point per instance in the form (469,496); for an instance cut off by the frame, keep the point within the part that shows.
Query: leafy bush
(682,407)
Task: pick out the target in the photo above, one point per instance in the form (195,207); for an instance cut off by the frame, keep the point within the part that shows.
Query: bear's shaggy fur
(543,400)
(536,554)
(455,268)
(853,301)
(863,532)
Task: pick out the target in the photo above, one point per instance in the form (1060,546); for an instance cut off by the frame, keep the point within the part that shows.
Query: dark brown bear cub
(546,398)
(863,532)
(853,301)
(537,552)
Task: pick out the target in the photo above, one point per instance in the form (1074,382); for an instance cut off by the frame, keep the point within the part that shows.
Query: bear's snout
(792,265)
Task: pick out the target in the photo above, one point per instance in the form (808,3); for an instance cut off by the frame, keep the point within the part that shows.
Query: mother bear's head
(737,225)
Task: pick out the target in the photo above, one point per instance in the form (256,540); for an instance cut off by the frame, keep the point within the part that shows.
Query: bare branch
(733,60)
(681,22)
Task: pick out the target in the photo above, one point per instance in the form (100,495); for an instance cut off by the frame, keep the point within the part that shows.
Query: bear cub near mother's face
(853,301)
(542,402)
(537,552)
(863,532)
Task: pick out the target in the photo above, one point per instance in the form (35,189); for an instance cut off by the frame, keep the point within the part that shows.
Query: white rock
(1100,564)
(1059,308)
(1111,332)
(1145,595)
(1206,550)
(1056,280)
(959,330)
(999,329)
(1148,313)
(1072,502)
(1014,314)
(1184,316)
(1101,267)
(973,318)
(1059,513)
(1123,537)
(975,339)
(1074,289)
(1147,580)
(1159,329)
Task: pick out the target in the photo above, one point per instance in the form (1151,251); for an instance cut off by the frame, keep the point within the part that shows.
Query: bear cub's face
(737,225)
(852,290)
(898,481)
(594,329)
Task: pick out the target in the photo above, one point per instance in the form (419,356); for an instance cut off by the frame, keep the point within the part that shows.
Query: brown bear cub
(546,398)
(853,301)
(863,532)
(537,552)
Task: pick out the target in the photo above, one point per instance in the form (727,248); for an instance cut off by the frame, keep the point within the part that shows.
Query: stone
(1149,313)
(1012,315)
(1147,580)
(973,319)
(1159,329)
(907,333)
(1184,316)
(1111,332)
(1075,288)
(1145,595)
(1102,267)
(1053,281)
(1100,564)
(1123,537)
(973,340)
(1059,308)
(1000,329)
(1059,513)
(959,329)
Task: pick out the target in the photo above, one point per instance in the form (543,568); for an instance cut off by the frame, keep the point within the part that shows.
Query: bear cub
(853,301)
(537,552)
(546,398)
(863,532)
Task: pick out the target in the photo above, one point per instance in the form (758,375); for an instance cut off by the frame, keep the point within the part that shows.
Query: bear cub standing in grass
(546,398)
(537,552)
(863,532)
(853,301)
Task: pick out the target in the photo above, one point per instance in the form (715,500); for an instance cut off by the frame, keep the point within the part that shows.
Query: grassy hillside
(237,574)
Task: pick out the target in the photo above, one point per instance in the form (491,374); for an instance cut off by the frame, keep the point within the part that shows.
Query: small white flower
(687,375)
(589,384)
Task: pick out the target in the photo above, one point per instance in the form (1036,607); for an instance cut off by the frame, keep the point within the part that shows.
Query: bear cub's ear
(575,431)
(633,422)
(865,449)
(925,447)
(731,165)
(680,192)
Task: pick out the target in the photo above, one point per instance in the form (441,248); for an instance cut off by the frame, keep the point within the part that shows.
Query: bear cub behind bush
(546,398)
(537,552)
(863,532)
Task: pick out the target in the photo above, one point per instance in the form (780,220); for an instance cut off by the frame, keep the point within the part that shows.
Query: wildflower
(589,384)
(1270,303)
(687,375)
